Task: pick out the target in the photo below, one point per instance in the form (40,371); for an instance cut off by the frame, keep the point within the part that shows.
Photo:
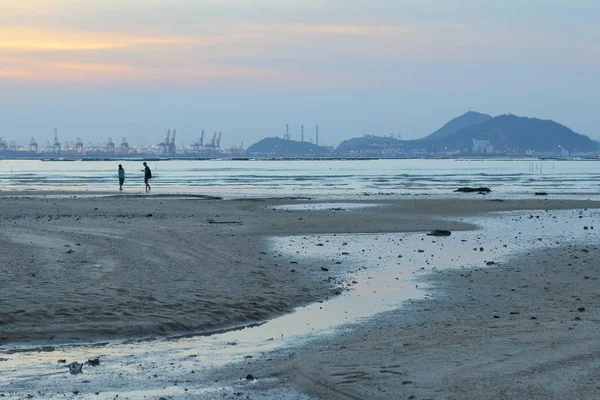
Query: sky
(134,68)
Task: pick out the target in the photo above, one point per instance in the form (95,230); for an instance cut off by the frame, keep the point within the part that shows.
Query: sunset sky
(133,68)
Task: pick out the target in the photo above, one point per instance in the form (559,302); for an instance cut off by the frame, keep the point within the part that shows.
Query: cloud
(27,39)
(293,55)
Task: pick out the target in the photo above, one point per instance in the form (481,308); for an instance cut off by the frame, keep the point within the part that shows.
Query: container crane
(171,144)
(56,145)
(110,146)
(124,146)
(165,145)
(79,148)
(199,144)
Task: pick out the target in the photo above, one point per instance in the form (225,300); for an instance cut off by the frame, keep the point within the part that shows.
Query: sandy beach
(526,330)
(94,268)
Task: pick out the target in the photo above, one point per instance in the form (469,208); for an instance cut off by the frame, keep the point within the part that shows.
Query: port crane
(110,146)
(171,145)
(165,144)
(56,146)
(124,146)
(168,145)
(199,144)
(79,148)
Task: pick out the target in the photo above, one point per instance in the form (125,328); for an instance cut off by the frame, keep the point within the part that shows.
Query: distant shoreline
(259,158)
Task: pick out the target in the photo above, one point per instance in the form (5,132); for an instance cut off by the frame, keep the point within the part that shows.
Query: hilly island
(470,135)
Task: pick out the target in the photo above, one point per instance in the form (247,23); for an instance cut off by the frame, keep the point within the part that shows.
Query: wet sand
(85,269)
(525,330)
(95,268)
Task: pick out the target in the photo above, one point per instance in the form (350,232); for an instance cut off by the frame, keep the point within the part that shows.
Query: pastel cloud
(35,39)
(43,54)
(344,54)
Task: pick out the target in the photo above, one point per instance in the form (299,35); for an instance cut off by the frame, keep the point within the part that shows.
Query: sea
(315,178)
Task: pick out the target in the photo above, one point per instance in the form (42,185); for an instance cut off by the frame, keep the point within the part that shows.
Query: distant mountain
(276,147)
(468,119)
(513,132)
(367,144)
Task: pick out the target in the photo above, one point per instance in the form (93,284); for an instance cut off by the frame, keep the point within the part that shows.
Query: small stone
(324,269)
(94,362)
(439,232)
(250,377)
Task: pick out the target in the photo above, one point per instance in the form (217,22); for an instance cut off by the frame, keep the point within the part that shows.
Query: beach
(527,330)
(95,268)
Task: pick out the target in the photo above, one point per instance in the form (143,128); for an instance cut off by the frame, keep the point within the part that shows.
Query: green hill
(468,119)
(276,147)
(370,146)
(513,132)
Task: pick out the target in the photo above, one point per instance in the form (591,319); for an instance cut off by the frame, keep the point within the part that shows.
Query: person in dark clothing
(147,176)
(121,177)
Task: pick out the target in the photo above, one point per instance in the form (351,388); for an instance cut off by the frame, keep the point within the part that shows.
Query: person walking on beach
(147,176)
(121,177)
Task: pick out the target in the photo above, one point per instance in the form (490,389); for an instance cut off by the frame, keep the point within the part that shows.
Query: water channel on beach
(383,268)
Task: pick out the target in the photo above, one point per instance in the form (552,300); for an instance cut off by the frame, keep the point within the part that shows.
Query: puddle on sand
(379,281)
(324,206)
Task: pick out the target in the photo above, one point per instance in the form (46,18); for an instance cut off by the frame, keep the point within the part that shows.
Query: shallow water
(380,281)
(309,177)
(324,206)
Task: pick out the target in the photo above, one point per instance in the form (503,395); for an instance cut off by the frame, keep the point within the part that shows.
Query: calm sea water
(308,177)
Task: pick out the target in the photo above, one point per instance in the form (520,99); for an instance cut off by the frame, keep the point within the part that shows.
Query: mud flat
(119,268)
(523,328)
